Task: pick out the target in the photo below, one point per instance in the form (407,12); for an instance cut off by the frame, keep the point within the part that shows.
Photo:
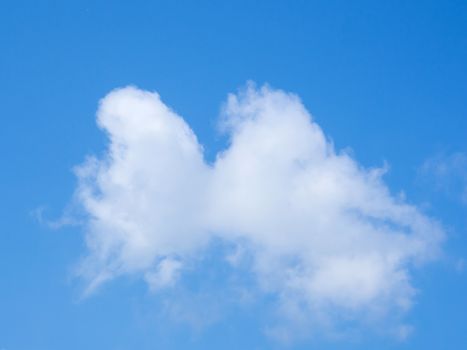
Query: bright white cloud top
(321,231)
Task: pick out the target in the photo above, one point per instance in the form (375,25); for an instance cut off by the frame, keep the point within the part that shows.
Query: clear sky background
(387,80)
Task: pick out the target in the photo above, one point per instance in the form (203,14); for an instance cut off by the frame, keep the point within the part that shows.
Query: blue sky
(383,81)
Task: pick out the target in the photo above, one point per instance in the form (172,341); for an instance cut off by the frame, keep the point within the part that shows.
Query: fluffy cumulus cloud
(320,233)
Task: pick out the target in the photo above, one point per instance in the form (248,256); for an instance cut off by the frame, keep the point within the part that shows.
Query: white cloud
(322,234)
(448,173)
(165,275)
